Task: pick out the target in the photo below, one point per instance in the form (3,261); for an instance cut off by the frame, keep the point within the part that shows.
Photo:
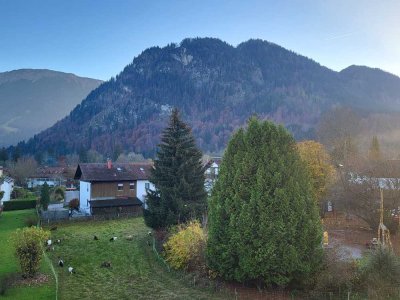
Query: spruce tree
(45,196)
(374,150)
(178,177)
(3,155)
(263,221)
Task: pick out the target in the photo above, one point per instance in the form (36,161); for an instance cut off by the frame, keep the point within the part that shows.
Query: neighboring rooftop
(113,172)
(50,172)
(6,179)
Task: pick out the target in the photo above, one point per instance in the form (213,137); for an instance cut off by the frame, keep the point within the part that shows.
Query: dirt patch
(38,279)
(352,233)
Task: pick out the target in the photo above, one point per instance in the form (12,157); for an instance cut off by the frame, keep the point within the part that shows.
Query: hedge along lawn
(9,222)
(19,204)
(135,272)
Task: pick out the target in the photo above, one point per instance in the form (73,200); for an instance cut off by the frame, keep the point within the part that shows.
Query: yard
(9,222)
(135,272)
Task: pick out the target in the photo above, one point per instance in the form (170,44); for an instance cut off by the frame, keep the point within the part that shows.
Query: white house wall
(85,191)
(141,190)
(7,188)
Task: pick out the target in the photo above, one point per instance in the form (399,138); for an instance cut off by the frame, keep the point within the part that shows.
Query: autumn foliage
(28,248)
(185,249)
(319,165)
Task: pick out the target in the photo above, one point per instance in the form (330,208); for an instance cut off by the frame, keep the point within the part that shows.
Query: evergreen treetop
(178,176)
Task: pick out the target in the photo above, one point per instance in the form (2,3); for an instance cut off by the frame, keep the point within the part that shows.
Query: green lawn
(9,222)
(135,271)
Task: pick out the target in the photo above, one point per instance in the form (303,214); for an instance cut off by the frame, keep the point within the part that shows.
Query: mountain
(372,88)
(33,100)
(217,87)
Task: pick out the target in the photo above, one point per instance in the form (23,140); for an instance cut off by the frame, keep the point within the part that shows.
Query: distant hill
(32,100)
(217,87)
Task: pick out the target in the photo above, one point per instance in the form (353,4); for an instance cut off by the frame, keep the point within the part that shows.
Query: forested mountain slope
(217,87)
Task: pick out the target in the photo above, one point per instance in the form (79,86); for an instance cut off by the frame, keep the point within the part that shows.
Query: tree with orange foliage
(319,165)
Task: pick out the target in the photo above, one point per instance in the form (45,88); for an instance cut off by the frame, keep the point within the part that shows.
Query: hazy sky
(98,38)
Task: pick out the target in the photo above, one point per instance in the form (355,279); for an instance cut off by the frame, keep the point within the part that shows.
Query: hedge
(19,204)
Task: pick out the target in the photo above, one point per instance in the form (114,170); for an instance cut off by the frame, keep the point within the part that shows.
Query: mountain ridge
(217,87)
(34,99)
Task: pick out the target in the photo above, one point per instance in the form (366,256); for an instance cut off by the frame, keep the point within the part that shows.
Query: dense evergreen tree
(178,176)
(263,220)
(45,196)
(3,154)
(83,155)
(16,153)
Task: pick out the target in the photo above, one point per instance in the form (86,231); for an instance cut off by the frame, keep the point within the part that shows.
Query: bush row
(19,204)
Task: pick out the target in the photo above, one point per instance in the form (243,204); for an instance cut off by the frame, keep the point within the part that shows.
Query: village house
(53,176)
(113,187)
(6,186)
(211,173)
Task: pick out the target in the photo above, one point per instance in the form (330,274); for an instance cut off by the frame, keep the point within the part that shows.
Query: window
(132,186)
(147,185)
(120,186)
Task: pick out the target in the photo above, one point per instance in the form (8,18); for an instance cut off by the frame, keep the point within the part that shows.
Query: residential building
(211,173)
(113,187)
(53,176)
(6,186)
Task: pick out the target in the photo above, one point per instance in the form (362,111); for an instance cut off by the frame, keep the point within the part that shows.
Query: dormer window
(120,186)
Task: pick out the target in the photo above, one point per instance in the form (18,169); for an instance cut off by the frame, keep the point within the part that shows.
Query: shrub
(380,274)
(19,204)
(21,193)
(28,248)
(185,249)
(74,204)
(336,272)
(59,193)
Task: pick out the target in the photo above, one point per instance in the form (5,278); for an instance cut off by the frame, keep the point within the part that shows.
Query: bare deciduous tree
(24,168)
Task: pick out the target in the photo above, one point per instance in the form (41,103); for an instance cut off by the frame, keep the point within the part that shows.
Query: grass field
(135,273)
(9,222)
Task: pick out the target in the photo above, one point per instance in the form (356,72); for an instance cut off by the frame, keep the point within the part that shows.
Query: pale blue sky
(96,38)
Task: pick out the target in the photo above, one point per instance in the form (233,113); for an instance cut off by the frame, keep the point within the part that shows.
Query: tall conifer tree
(374,150)
(178,176)
(45,196)
(263,221)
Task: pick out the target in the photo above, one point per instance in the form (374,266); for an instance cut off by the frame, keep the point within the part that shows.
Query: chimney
(109,164)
